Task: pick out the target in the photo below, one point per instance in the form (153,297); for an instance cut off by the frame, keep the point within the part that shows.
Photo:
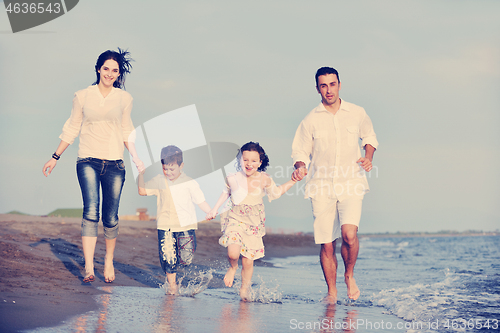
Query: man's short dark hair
(325,71)
(170,155)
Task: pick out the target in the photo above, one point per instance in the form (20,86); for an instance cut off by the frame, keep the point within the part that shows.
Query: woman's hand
(47,168)
(138,163)
(211,214)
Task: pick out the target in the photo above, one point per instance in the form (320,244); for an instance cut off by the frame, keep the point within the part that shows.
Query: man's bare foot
(352,288)
(330,298)
(109,271)
(229,277)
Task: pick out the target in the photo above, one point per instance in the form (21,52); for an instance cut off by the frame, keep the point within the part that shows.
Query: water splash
(261,293)
(191,284)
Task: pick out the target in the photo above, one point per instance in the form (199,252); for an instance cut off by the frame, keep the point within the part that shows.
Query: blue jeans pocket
(120,165)
(186,245)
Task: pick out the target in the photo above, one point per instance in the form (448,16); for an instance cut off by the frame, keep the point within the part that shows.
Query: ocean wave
(460,295)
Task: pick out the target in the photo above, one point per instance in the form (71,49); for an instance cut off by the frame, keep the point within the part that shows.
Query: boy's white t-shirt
(175,202)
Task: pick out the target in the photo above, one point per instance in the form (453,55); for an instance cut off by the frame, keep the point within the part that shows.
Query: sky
(426,72)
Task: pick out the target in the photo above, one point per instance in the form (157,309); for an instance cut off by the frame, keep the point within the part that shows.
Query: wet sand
(42,266)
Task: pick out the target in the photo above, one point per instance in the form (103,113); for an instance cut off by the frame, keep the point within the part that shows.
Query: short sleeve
(272,191)
(196,193)
(152,186)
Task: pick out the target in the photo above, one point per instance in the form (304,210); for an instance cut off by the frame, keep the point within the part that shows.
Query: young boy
(176,215)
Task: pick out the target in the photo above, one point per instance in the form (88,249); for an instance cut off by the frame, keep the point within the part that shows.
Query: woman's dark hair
(253,146)
(122,57)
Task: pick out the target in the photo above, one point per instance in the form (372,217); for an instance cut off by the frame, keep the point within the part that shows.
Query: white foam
(443,300)
(196,283)
(262,293)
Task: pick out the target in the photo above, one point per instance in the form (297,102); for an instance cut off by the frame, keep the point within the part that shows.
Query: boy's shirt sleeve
(197,195)
(153,186)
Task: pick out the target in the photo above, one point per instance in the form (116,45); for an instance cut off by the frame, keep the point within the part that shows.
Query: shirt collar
(181,179)
(343,106)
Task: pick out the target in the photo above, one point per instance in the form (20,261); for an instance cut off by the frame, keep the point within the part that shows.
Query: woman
(101,116)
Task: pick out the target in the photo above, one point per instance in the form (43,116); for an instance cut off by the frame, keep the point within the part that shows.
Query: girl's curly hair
(253,146)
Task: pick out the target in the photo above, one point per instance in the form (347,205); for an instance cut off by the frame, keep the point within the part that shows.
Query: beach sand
(42,266)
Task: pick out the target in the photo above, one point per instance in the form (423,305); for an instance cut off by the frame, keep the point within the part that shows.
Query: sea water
(416,284)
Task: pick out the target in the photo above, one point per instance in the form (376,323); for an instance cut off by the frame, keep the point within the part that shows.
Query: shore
(42,265)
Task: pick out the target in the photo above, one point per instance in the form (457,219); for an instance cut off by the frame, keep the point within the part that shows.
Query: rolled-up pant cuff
(111,233)
(89,228)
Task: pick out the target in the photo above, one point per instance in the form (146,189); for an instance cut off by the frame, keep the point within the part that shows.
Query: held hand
(365,163)
(211,215)
(47,168)
(299,174)
(140,166)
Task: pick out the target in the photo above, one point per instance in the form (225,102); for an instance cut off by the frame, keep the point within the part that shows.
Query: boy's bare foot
(109,271)
(229,277)
(352,288)
(172,289)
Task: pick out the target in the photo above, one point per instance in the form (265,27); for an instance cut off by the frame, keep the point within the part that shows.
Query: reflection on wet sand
(168,318)
(237,318)
(348,323)
(84,322)
(101,319)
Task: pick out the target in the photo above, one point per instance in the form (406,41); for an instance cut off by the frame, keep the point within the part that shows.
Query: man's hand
(300,171)
(365,163)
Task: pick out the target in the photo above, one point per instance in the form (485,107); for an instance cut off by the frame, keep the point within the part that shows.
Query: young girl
(243,225)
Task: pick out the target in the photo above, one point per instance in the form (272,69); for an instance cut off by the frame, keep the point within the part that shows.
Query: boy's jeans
(176,248)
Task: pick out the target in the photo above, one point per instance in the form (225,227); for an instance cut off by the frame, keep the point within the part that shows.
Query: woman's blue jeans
(94,173)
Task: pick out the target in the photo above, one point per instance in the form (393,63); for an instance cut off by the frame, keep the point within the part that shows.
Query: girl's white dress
(243,223)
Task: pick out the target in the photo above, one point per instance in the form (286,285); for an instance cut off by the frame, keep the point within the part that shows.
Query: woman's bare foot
(352,288)
(109,270)
(89,275)
(229,277)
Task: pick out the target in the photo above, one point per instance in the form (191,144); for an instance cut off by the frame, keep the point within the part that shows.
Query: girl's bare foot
(352,288)
(229,277)
(245,292)
(109,270)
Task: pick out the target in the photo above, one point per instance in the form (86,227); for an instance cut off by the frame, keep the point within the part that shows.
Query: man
(326,149)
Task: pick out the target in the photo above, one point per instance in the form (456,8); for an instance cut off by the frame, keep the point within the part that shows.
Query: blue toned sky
(427,73)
